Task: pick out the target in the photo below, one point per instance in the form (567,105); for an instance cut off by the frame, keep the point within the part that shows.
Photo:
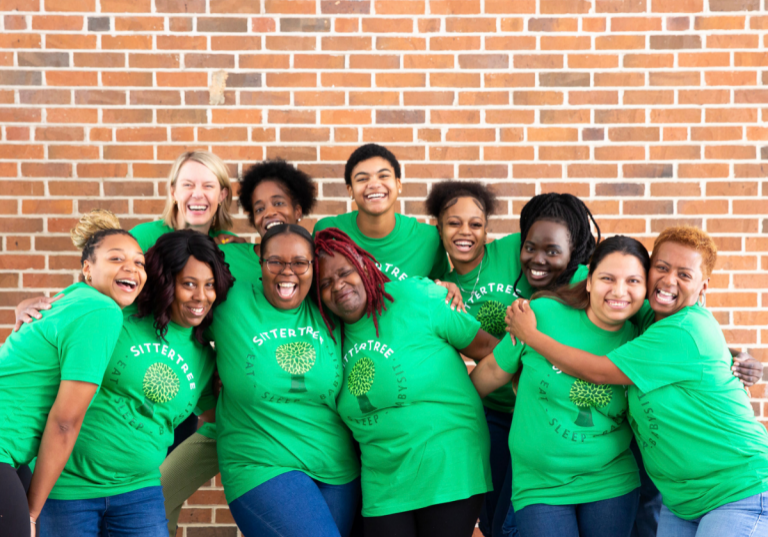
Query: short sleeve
(86,344)
(455,327)
(509,356)
(662,356)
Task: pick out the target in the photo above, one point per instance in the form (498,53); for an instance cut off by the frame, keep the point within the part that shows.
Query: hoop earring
(703,300)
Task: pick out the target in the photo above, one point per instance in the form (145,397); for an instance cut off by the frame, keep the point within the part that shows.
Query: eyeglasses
(297,267)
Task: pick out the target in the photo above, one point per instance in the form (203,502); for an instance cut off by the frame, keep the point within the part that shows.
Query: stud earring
(89,279)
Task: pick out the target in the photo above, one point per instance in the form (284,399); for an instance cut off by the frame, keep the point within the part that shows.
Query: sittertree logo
(586,396)
(297,359)
(491,317)
(160,386)
(360,382)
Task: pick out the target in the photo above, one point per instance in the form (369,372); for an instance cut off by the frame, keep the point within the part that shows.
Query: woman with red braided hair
(406,395)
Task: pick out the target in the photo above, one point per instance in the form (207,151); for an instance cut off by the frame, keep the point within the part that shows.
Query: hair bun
(90,224)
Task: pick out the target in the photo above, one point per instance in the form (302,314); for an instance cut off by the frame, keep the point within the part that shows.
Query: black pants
(14,510)
(186,428)
(452,519)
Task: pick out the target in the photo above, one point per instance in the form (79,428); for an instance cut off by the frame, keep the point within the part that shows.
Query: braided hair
(570,211)
(332,241)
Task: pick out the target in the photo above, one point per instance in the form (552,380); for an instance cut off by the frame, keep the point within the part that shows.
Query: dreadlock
(332,241)
(570,211)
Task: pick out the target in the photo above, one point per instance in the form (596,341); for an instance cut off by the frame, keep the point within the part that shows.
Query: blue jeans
(140,513)
(295,505)
(613,517)
(744,518)
(649,506)
(498,501)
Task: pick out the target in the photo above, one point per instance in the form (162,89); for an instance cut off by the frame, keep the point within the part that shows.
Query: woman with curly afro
(691,417)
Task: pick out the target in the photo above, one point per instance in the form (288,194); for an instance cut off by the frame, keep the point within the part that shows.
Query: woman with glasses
(287,461)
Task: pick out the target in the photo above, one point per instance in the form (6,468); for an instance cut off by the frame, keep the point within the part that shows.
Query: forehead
(372,165)
(120,241)
(193,170)
(288,245)
(269,188)
(547,230)
(195,267)
(331,263)
(464,206)
(678,255)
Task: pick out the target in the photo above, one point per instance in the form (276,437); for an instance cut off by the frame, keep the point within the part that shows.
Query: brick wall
(651,110)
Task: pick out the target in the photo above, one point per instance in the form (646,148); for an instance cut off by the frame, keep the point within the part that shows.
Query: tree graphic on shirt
(160,385)
(360,382)
(297,359)
(491,317)
(586,396)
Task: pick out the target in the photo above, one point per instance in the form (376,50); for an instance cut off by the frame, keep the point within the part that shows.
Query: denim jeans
(140,513)
(744,518)
(649,504)
(498,501)
(295,505)
(612,517)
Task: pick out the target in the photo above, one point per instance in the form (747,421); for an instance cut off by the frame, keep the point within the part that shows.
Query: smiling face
(341,288)
(616,290)
(194,294)
(197,193)
(286,290)
(463,231)
(117,269)
(272,205)
(374,186)
(546,253)
(675,280)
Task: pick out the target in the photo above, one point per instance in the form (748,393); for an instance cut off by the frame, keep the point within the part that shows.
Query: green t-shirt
(147,233)
(696,429)
(487,291)
(243,262)
(411,249)
(571,437)
(281,372)
(72,341)
(149,387)
(411,405)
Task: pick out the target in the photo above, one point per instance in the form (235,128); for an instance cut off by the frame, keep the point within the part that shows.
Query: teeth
(291,285)
(617,303)
(375,196)
(273,224)
(127,282)
(197,207)
(196,311)
(464,244)
(664,296)
(538,272)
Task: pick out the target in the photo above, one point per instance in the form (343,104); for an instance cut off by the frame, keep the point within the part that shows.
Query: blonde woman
(199,196)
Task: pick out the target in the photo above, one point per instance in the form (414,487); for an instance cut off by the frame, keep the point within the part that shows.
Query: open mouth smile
(286,290)
(664,297)
(273,223)
(127,285)
(463,245)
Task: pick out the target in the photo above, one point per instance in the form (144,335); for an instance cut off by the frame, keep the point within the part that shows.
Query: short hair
(333,241)
(368,151)
(283,229)
(570,211)
(295,182)
(164,261)
(694,238)
(445,194)
(91,230)
(223,219)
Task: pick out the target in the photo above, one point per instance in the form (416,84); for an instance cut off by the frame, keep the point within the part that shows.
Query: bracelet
(33,521)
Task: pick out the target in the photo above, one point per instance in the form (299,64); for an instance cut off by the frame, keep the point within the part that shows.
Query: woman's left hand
(520,319)
(747,369)
(454,297)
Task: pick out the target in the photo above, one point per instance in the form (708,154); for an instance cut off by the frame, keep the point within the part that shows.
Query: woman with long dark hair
(159,373)
(574,474)
(51,369)
(406,395)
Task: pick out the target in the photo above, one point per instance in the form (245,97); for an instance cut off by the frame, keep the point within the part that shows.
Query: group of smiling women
(344,406)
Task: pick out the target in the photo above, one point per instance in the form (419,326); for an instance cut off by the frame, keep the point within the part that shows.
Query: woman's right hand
(29,309)
(32,527)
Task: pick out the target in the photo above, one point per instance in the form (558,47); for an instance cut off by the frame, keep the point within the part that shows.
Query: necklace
(480,270)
